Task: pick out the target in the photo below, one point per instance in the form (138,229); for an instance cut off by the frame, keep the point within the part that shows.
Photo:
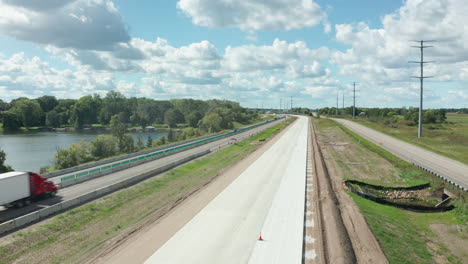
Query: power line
(421,78)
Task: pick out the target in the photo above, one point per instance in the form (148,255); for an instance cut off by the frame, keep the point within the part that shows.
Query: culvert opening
(418,198)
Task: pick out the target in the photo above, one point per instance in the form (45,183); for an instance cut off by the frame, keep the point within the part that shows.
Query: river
(29,151)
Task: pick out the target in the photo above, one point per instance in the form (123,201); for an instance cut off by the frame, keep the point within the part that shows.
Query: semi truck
(20,188)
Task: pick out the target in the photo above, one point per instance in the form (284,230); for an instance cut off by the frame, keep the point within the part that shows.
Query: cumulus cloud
(296,57)
(252,15)
(382,53)
(21,76)
(378,57)
(81,24)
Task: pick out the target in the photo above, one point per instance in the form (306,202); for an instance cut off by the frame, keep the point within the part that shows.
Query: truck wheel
(27,202)
(52,194)
(19,204)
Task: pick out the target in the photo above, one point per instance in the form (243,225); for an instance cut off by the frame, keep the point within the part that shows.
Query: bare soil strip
(337,244)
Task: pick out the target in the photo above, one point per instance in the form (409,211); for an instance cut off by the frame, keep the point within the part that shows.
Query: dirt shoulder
(137,246)
(380,231)
(347,238)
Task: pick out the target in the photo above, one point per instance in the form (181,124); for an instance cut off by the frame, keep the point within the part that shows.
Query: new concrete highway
(451,170)
(77,190)
(267,198)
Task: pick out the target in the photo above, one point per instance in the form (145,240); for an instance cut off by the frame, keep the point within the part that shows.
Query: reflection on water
(29,151)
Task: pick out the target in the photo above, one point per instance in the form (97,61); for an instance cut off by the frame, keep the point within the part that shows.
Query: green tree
(190,132)
(75,155)
(172,117)
(3,105)
(171,137)
(29,112)
(103,146)
(193,118)
(113,104)
(53,119)
(212,122)
(127,144)
(140,145)
(63,110)
(3,166)
(161,141)
(149,142)
(11,121)
(146,113)
(85,111)
(47,102)
(118,128)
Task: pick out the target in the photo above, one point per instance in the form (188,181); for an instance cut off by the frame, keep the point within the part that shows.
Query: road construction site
(285,202)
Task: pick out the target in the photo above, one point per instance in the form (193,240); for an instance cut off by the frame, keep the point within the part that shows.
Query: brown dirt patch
(455,240)
(364,243)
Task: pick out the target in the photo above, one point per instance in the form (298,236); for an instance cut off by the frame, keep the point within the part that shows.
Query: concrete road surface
(267,198)
(451,170)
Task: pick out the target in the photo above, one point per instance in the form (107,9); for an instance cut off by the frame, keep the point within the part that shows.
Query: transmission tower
(337,94)
(354,100)
(421,78)
(291,103)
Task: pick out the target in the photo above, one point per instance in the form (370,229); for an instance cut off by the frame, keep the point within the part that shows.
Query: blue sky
(256,52)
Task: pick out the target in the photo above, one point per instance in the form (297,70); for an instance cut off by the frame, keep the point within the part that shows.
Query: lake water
(29,151)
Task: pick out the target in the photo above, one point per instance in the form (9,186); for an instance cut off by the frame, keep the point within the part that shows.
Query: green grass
(413,174)
(409,175)
(403,234)
(449,139)
(73,236)
(238,125)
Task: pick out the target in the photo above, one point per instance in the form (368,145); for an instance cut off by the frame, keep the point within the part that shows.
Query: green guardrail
(85,173)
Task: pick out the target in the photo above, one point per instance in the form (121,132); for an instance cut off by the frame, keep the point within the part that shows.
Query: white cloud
(252,15)
(378,57)
(300,60)
(383,53)
(20,76)
(81,24)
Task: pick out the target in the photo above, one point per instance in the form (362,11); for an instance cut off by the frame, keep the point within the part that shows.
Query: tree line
(212,115)
(390,115)
(118,113)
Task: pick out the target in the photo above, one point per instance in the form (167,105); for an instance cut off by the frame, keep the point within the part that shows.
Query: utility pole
(280,105)
(421,78)
(337,93)
(291,104)
(354,100)
(342,105)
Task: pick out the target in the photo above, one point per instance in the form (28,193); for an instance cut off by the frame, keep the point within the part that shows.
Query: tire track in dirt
(337,245)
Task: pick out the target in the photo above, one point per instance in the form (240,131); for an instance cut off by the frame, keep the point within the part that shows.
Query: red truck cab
(41,186)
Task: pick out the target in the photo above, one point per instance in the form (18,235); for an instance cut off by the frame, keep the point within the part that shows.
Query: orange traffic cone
(260,238)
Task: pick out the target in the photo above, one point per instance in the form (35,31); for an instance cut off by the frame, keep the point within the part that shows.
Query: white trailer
(14,186)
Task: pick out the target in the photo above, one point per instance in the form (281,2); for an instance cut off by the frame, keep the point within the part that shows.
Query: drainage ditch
(418,198)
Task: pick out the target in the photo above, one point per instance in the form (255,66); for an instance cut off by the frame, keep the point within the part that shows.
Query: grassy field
(74,236)
(405,236)
(449,139)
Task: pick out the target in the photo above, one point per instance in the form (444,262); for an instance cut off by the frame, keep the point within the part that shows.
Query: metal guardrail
(109,167)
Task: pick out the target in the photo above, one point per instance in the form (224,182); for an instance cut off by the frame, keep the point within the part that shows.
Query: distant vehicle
(19,188)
